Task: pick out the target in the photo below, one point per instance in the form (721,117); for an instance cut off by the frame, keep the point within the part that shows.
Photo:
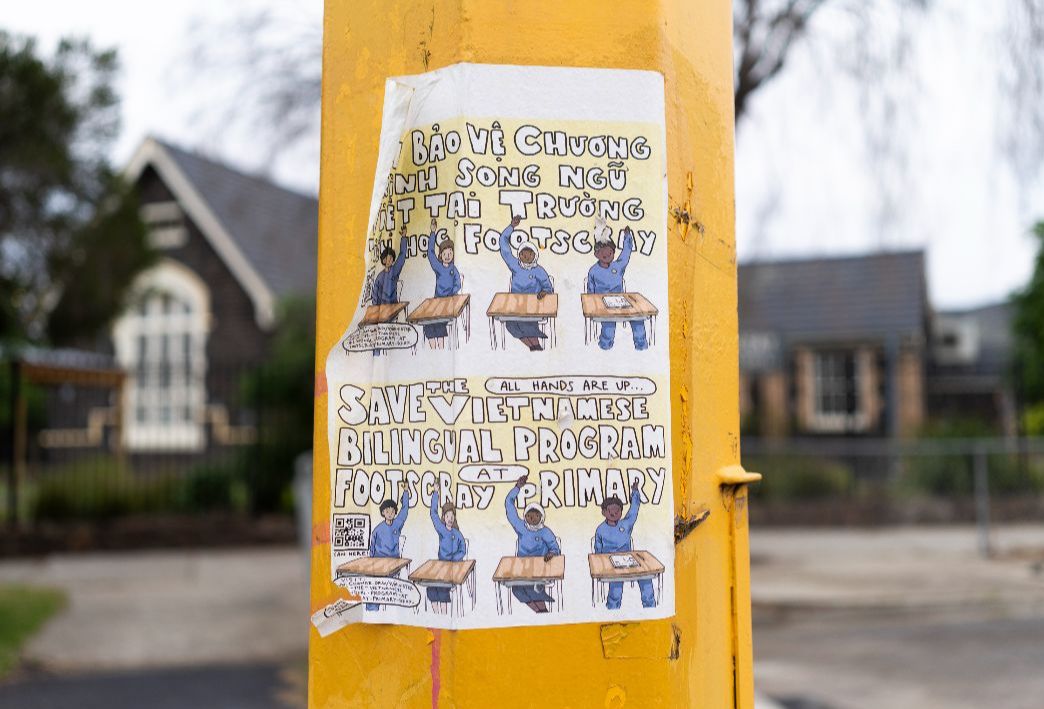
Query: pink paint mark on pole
(436,667)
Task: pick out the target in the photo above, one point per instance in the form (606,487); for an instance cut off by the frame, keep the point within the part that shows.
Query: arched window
(161,343)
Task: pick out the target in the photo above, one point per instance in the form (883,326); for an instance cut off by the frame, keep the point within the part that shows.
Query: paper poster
(499,418)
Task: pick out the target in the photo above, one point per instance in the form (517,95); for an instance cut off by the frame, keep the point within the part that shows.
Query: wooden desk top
(445,308)
(438,571)
(594,306)
(530,568)
(382,313)
(527,305)
(372,566)
(602,568)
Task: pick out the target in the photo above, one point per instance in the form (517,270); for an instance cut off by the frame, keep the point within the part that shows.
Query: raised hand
(522,481)
(434,224)
(515,221)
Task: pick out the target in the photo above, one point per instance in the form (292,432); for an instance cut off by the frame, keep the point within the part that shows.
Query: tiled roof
(846,298)
(275,228)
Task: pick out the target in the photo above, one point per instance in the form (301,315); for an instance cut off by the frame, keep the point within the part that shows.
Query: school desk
(454,575)
(373,566)
(376,314)
(526,307)
(529,571)
(603,572)
(596,311)
(449,310)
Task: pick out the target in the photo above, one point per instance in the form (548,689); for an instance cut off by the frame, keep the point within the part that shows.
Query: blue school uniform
(530,543)
(447,283)
(523,280)
(610,539)
(385,290)
(609,279)
(384,540)
(451,547)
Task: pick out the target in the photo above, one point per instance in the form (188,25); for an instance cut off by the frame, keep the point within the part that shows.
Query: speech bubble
(383,590)
(381,336)
(492,473)
(594,385)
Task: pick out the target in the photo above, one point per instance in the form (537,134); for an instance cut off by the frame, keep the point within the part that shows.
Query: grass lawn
(23,610)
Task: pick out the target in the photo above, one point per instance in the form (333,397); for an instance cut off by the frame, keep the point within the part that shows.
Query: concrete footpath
(844,619)
(163,609)
(169,630)
(913,569)
(899,618)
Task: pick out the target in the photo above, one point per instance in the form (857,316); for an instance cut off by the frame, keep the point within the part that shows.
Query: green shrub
(954,475)
(211,487)
(92,488)
(786,478)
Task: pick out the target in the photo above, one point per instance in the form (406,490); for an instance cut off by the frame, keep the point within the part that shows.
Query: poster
(499,418)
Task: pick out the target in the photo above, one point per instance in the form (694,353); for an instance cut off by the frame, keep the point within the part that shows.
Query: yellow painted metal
(702,657)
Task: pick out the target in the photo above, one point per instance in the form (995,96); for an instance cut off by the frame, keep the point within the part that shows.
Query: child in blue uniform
(526,277)
(607,276)
(447,282)
(451,545)
(614,536)
(385,290)
(384,541)
(534,539)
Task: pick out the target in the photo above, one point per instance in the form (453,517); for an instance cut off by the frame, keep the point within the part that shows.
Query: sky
(806,182)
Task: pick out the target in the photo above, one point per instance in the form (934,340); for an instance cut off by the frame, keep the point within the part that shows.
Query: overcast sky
(806,182)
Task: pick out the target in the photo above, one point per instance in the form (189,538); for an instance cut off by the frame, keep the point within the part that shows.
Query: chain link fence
(881,481)
(86,445)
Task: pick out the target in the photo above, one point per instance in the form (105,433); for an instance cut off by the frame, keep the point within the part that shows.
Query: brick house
(232,246)
(969,375)
(834,346)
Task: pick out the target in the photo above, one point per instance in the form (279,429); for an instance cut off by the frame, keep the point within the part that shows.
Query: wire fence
(883,481)
(93,445)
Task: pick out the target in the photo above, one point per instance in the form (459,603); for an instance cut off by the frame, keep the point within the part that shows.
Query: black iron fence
(97,444)
(883,481)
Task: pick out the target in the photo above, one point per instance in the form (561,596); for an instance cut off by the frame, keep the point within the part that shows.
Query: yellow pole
(702,656)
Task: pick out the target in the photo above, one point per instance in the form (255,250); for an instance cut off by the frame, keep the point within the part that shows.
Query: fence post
(17,412)
(982,499)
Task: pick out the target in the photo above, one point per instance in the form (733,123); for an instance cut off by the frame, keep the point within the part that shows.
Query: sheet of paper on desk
(623,561)
(516,429)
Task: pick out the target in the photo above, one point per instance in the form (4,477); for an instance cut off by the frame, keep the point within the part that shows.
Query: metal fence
(882,481)
(96,444)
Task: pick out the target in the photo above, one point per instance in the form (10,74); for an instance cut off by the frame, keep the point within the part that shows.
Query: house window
(165,224)
(836,399)
(161,342)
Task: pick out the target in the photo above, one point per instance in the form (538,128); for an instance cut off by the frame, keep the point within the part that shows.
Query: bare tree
(269,61)
(273,55)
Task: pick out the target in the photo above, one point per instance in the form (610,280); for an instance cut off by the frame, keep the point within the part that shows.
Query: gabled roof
(842,298)
(266,234)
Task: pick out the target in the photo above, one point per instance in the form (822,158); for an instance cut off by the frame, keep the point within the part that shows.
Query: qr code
(351,532)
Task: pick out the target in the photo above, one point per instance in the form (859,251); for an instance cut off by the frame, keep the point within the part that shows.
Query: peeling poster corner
(499,404)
